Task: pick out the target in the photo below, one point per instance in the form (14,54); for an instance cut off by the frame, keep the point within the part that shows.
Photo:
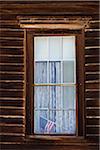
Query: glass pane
(72,122)
(69,122)
(55,101)
(69,97)
(36,121)
(55,47)
(60,113)
(40,72)
(65,124)
(59,122)
(40,119)
(41,48)
(52,118)
(41,96)
(68,72)
(54,72)
(68,47)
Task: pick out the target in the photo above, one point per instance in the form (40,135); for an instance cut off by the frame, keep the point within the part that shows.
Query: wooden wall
(12,100)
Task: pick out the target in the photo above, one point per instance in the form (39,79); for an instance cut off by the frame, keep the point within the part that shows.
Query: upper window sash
(54,48)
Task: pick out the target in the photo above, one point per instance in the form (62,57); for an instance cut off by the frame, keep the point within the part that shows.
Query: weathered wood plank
(11,138)
(92,112)
(11,43)
(11,76)
(12,34)
(19,68)
(11,59)
(95,103)
(11,22)
(92,68)
(94,24)
(93,129)
(11,120)
(93,138)
(92,85)
(49,8)
(11,110)
(29,146)
(92,34)
(92,94)
(16,103)
(90,42)
(11,129)
(92,121)
(11,26)
(11,85)
(92,51)
(9,51)
(11,93)
(92,77)
(92,59)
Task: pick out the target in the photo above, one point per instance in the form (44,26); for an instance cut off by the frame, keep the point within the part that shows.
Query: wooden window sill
(52,140)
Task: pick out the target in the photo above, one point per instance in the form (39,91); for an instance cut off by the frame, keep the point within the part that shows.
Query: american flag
(46,125)
(49,126)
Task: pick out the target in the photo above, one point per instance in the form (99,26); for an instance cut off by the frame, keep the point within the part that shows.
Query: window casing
(79,44)
(54,26)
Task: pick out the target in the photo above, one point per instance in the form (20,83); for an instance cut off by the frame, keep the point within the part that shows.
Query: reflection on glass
(41,96)
(55,44)
(69,97)
(41,48)
(69,122)
(40,72)
(69,48)
(55,101)
(68,71)
(40,119)
(54,72)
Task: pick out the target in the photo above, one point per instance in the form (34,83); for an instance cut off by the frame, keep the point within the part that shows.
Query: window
(54,66)
(54,85)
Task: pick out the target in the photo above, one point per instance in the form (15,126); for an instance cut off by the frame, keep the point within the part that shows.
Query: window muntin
(54,85)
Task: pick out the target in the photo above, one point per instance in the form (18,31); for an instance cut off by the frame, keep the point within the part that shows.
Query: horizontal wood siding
(12,100)
(92,80)
(11,80)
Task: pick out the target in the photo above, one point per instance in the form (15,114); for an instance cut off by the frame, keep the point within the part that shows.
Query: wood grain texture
(12,70)
(30,147)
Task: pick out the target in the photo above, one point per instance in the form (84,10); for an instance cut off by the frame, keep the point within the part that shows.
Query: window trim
(29,34)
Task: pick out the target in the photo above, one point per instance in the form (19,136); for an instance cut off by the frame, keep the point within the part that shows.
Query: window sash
(49,84)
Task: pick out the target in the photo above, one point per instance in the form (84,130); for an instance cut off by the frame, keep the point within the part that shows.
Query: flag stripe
(49,125)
